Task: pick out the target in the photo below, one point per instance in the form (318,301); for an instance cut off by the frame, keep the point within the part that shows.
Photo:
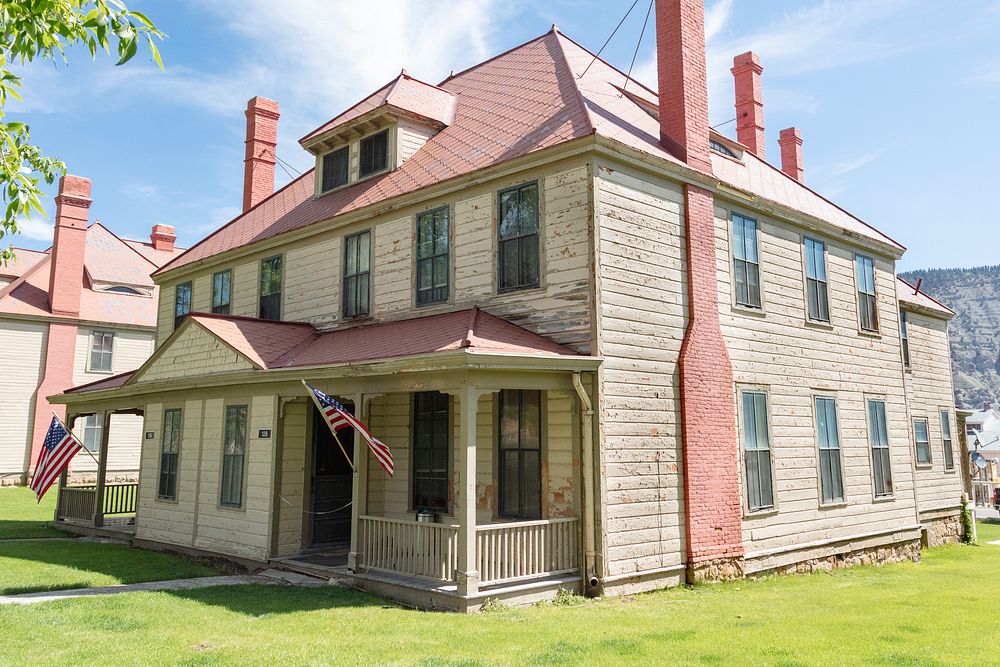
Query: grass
(22,517)
(902,614)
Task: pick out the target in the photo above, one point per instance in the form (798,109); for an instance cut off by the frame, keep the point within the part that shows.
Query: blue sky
(897,99)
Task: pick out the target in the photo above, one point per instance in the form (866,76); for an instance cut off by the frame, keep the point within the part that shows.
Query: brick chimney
(163,237)
(790,141)
(262,138)
(712,508)
(749,102)
(682,80)
(69,245)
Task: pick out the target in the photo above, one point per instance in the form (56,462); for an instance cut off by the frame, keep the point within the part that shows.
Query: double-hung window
(170,449)
(878,438)
(949,453)
(746,262)
(221,292)
(234,445)
(864,276)
(432,256)
(757,452)
(828,436)
(518,238)
(374,155)
(922,440)
(357,274)
(818,303)
(182,303)
(520,426)
(270,288)
(335,168)
(430,450)
(102,346)
(905,338)
(92,432)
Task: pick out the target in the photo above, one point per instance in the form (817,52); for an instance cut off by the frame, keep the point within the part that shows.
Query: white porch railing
(409,547)
(507,552)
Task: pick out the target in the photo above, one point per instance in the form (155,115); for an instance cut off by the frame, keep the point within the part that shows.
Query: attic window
(122,289)
(335,168)
(720,148)
(374,154)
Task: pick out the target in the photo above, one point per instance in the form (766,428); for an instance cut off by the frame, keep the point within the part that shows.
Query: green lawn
(904,614)
(21,516)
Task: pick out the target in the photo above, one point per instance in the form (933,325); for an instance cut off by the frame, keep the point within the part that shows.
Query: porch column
(359,490)
(465,510)
(102,468)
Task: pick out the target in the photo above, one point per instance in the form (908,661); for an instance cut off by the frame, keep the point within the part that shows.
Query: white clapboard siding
(195,352)
(22,356)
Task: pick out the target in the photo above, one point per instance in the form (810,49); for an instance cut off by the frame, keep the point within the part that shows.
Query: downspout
(591,580)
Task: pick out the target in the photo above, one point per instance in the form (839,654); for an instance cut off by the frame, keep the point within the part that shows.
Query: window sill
(884,499)
(840,504)
(231,508)
(817,324)
(520,290)
(166,501)
(924,466)
(748,310)
(874,335)
(91,371)
(908,369)
(761,513)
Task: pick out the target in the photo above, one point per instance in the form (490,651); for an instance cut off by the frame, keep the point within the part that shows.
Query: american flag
(337,417)
(58,449)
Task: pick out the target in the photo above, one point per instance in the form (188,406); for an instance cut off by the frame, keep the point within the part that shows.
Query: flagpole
(335,436)
(82,446)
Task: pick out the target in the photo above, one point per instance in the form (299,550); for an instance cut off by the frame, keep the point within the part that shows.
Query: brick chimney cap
(790,134)
(74,186)
(745,60)
(259,103)
(165,230)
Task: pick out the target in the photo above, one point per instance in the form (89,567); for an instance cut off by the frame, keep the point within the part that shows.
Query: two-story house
(610,348)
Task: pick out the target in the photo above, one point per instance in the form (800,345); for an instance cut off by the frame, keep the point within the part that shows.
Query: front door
(332,482)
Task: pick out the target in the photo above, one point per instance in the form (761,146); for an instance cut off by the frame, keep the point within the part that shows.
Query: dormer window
(374,154)
(722,149)
(336,168)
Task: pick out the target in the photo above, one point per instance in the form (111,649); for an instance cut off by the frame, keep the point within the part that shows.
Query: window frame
(281,287)
(226,501)
(174,470)
(346,151)
(347,286)
(362,174)
(179,317)
(947,440)
(448,436)
(519,239)
(110,354)
(418,260)
(521,514)
(841,499)
(749,508)
(904,338)
(94,429)
(741,220)
(822,283)
(859,261)
(889,491)
(223,308)
(921,462)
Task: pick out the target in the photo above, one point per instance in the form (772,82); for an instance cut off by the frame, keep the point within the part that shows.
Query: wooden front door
(332,483)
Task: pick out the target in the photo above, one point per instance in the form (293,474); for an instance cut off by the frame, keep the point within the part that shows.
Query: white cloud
(35,228)
(716,18)
(855,163)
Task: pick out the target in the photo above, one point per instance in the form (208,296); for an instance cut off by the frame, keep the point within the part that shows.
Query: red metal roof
(910,295)
(23,261)
(545,92)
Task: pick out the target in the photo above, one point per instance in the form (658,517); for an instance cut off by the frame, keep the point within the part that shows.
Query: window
(102,345)
(831,478)
(221,288)
(92,432)
(720,148)
(818,304)
(357,274)
(949,453)
(518,235)
(922,441)
(878,438)
(864,276)
(905,338)
(374,154)
(432,256)
(430,450)
(746,265)
(125,289)
(182,303)
(170,447)
(234,446)
(270,288)
(520,426)
(336,168)
(757,452)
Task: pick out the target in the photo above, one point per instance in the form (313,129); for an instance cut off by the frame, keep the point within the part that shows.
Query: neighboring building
(610,348)
(937,450)
(986,420)
(81,311)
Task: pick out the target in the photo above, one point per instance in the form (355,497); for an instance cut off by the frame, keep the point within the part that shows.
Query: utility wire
(716,127)
(598,54)
(637,45)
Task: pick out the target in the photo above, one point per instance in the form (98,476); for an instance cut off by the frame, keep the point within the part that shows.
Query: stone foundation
(719,569)
(880,555)
(120,477)
(941,530)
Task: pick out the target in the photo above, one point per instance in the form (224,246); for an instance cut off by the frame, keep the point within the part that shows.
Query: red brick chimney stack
(790,141)
(683,80)
(163,237)
(749,102)
(69,245)
(262,139)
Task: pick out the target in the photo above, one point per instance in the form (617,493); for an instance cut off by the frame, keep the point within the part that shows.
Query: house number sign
(264,433)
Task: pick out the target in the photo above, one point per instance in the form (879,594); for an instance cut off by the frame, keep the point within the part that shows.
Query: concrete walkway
(265,577)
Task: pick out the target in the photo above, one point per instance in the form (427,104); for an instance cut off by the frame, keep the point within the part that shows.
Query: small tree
(43,30)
